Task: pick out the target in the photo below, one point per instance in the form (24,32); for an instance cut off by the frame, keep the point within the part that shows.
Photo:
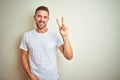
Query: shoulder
(28,33)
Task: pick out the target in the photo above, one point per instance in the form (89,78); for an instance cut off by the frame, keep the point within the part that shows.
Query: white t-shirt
(42,53)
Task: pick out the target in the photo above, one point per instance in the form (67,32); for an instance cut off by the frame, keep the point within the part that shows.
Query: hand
(33,77)
(62,28)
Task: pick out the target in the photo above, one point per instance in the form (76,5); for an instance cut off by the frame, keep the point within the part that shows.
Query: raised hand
(62,28)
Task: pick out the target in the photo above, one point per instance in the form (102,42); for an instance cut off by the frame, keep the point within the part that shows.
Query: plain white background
(94,31)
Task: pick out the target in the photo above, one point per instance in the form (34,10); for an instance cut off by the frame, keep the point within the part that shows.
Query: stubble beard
(41,26)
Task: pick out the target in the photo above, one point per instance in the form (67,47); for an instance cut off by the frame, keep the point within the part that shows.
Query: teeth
(41,23)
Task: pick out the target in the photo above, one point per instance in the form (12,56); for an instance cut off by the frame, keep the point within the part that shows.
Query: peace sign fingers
(62,21)
(58,23)
(62,28)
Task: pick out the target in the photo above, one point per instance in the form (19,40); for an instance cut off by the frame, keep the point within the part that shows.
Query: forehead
(42,12)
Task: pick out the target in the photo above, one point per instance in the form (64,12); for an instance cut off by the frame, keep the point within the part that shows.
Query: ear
(34,17)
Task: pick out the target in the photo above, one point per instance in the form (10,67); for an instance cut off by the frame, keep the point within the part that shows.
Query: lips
(42,22)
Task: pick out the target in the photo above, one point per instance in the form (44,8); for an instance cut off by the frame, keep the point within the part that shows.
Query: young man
(39,47)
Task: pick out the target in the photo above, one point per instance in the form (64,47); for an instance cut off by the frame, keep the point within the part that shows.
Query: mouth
(41,22)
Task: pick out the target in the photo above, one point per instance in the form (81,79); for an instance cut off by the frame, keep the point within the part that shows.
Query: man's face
(41,18)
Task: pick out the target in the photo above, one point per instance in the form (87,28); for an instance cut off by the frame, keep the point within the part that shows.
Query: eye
(45,16)
(38,15)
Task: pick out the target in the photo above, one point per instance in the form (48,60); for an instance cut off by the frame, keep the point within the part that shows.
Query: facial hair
(39,26)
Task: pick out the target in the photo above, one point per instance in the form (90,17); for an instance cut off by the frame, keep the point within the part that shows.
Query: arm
(66,48)
(25,64)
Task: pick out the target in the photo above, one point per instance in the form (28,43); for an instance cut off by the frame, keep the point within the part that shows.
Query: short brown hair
(42,8)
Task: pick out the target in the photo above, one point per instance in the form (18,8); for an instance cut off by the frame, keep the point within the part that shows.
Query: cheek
(46,20)
(37,19)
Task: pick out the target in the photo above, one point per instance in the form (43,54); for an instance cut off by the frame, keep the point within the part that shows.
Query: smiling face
(41,18)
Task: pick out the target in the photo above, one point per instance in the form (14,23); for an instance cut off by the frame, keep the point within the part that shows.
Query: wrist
(30,75)
(65,37)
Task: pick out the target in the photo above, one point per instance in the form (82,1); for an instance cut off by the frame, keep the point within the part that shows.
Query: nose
(41,19)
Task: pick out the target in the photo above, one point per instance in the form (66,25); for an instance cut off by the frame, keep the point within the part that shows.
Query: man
(39,47)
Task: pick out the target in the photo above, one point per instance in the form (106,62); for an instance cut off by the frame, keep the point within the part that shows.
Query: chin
(41,27)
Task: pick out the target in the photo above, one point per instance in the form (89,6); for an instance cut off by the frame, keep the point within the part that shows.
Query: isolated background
(94,31)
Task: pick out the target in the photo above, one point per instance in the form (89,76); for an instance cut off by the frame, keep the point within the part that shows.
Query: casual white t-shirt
(42,49)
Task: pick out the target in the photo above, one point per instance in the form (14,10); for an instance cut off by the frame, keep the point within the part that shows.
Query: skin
(41,18)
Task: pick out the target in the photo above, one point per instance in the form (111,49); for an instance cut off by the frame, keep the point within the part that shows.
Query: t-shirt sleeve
(59,40)
(23,44)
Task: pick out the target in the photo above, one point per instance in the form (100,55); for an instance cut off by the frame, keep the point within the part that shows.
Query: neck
(43,30)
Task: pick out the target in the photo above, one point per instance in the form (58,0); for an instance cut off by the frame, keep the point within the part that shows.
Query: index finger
(58,23)
(62,21)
